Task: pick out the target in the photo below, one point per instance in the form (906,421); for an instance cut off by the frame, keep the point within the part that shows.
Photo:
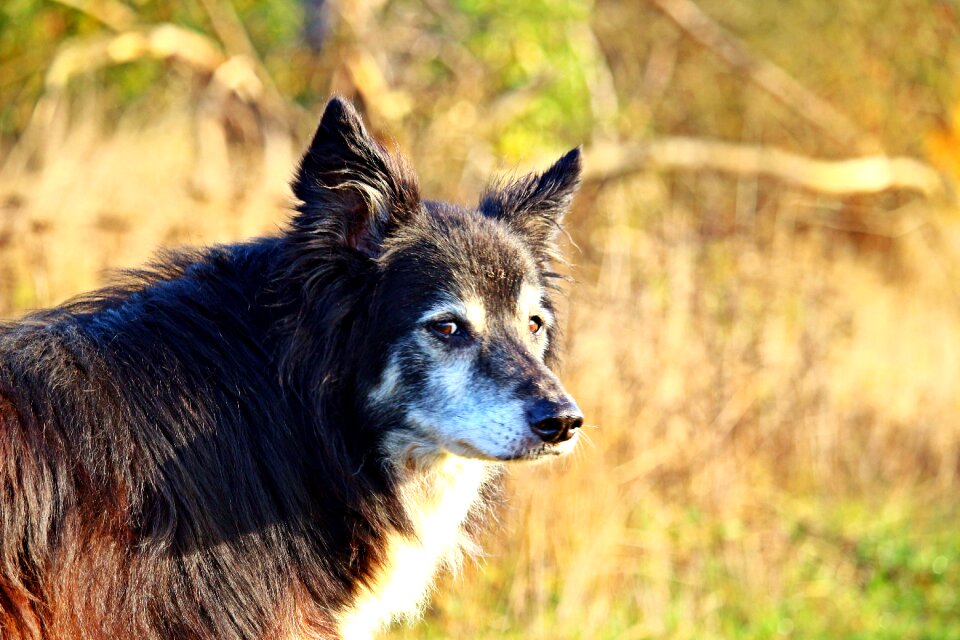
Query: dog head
(459,326)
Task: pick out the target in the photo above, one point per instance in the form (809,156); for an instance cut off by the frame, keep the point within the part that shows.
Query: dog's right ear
(352,190)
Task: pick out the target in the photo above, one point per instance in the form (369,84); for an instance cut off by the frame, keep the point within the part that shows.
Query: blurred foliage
(510,37)
(554,48)
(32,31)
(534,42)
(575,68)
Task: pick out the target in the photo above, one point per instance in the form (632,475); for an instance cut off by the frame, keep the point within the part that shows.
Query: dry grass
(771,397)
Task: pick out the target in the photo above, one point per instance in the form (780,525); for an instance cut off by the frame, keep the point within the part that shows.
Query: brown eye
(535,325)
(445,328)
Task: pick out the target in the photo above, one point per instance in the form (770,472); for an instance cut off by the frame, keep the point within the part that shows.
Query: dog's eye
(445,328)
(535,324)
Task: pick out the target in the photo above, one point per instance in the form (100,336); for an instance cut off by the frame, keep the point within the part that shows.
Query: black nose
(555,421)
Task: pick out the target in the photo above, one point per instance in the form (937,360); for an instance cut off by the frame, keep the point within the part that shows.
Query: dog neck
(438,496)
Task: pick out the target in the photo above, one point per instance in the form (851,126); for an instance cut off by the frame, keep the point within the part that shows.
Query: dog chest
(437,502)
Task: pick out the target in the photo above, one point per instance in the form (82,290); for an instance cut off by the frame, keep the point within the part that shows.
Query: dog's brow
(471,309)
(476,313)
(530,300)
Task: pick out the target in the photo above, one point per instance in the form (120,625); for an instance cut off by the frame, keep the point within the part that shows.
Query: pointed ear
(535,204)
(352,190)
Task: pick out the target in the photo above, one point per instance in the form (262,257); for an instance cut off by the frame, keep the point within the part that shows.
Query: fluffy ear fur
(535,204)
(352,190)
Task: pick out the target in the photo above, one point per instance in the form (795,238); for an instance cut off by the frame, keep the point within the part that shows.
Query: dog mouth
(467,450)
(543,450)
(527,452)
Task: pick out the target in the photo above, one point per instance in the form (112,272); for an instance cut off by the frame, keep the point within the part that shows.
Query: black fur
(187,454)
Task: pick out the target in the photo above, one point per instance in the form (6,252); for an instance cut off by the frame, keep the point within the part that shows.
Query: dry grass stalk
(867,174)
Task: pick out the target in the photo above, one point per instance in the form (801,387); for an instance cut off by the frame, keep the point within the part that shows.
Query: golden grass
(742,385)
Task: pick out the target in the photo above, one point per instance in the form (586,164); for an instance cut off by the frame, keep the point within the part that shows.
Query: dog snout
(555,421)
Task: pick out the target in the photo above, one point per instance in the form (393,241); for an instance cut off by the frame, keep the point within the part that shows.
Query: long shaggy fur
(159,481)
(187,454)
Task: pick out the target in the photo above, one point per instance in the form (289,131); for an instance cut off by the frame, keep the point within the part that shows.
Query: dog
(285,437)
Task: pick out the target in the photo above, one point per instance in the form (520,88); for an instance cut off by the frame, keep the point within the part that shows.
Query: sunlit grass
(774,431)
(844,569)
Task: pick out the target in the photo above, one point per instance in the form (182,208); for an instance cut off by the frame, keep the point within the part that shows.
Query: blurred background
(764,327)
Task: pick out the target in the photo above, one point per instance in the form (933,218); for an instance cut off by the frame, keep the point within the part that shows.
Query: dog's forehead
(462,254)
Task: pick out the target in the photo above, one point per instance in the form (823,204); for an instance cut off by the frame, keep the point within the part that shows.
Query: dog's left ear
(535,204)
